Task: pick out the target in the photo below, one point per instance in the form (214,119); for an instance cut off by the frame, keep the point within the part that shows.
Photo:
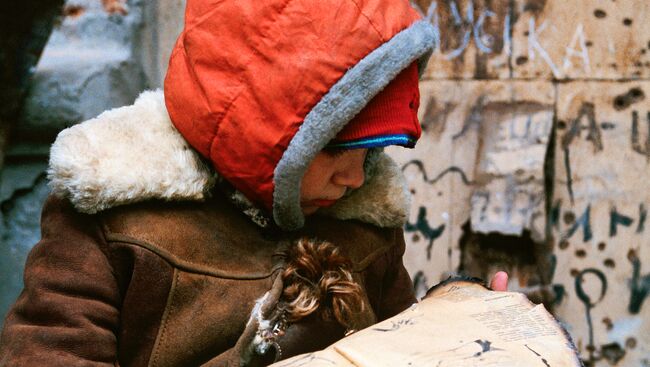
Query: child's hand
(499,282)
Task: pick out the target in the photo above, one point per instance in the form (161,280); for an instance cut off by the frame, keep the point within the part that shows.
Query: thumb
(500,281)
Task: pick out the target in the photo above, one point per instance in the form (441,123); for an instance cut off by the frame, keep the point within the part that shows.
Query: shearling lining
(126,155)
(134,153)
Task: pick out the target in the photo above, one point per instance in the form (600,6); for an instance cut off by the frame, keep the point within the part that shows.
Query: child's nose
(351,174)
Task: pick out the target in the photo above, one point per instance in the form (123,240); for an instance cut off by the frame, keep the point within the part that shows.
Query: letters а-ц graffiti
(577,47)
(638,284)
(584,221)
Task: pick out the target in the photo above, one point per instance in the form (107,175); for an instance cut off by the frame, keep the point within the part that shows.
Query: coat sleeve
(67,313)
(397,288)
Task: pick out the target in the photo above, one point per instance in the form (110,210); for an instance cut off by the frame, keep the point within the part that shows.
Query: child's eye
(334,152)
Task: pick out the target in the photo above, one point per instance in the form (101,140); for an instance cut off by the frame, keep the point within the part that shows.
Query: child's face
(329,176)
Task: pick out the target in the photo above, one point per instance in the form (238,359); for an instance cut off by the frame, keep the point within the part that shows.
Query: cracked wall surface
(23,188)
(535,159)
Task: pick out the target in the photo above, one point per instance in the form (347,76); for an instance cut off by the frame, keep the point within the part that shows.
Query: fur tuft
(318,280)
(384,197)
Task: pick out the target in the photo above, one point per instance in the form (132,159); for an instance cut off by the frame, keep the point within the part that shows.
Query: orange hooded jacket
(259,87)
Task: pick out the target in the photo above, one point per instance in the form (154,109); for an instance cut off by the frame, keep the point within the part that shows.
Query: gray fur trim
(372,159)
(343,101)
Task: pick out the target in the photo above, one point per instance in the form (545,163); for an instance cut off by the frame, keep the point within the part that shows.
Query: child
(245,216)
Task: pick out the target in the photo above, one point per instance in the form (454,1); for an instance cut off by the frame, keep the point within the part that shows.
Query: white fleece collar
(134,153)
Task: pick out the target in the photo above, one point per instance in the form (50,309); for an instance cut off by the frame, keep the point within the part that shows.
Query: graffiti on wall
(599,218)
(471,26)
(535,128)
(537,38)
(608,282)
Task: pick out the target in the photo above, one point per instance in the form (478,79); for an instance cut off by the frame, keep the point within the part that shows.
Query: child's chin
(308,210)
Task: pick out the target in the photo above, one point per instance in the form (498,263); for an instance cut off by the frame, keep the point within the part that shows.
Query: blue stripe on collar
(375,142)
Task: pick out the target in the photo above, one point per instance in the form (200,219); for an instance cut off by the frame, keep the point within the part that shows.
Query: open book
(458,323)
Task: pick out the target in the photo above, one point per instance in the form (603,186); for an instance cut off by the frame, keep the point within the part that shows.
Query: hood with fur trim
(277,80)
(134,153)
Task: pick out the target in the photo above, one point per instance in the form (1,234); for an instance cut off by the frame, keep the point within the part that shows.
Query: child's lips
(323,203)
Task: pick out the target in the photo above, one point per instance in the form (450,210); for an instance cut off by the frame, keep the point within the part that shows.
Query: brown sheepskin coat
(133,272)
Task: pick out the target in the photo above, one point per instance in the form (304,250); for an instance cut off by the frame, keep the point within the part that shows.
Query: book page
(459,324)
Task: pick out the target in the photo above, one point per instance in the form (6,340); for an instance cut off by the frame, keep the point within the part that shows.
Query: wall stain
(535,6)
(420,166)
(569,217)
(615,218)
(484,114)
(643,215)
(639,286)
(420,284)
(554,214)
(473,118)
(612,352)
(482,254)
(559,291)
(623,101)
(583,222)
(600,13)
(609,325)
(569,176)
(589,303)
(435,117)
(422,226)
(588,110)
(634,137)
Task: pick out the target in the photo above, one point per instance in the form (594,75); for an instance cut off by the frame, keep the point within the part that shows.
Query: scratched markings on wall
(599,218)
(509,193)
(488,193)
(439,174)
(481,156)
(586,39)
(473,38)
(482,39)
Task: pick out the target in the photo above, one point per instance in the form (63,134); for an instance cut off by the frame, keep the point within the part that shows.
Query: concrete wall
(535,159)
(101,55)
